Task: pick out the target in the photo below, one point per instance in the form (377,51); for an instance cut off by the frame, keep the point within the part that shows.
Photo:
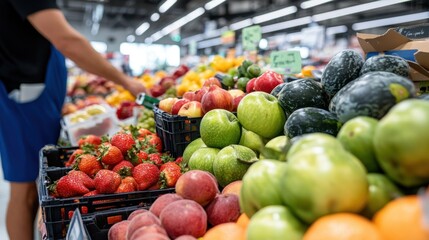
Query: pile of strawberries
(131,160)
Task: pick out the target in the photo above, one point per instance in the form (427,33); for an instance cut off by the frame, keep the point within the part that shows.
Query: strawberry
(143,132)
(92,193)
(137,156)
(89,140)
(84,178)
(123,168)
(73,156)
(128,184)
(107,181)
(110,155)
(154,141)
(170,172)
(123,141)
(88,164)
(70,186)
(155,158)
(178,160)
(146,175)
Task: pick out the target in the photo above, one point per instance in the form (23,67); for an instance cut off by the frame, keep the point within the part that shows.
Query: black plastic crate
(57,209)
(176,131)
(55,156)
(96,225)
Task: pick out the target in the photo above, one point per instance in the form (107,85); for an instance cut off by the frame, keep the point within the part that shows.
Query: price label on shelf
(251,37)
(286,62)
(76,229)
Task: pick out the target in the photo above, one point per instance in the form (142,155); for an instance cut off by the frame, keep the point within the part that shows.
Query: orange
(306,71)
(402,218)
(342,226)
(225,231)
(243,221)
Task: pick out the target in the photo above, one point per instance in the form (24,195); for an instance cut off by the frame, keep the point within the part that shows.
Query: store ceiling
(129,14)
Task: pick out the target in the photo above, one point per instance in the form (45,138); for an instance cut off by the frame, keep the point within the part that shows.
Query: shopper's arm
(52,24)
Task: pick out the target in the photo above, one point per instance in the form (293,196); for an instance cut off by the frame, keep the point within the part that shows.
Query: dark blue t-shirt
(24,53)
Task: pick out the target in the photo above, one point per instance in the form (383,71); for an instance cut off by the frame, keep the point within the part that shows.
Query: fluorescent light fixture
(178,23)
(209,43)
(313,3)
(212,4)
(355,9)
(131,38)
(336,30)
(154,17)
(216,32)
(241,24)
(196,38)
(166,5)
(182,21)
(286,24)
(142,28)
(275,14)
(390,21)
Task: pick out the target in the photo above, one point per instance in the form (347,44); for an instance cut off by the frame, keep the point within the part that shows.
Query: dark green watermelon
(343,68)
(372,95)
(386,63)
(275,92)
(311,120)
(302,93)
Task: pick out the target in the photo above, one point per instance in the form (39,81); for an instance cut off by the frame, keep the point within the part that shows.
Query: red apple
(191,109)
(197,185)
(250,87)
(162,201)
(268,81)
(200,93)
(166,104)
(212,81)
(157,91)
(236,101)
(217,98)
(236,92)
(189,95)
(224,208)
(178,104)
(167,82)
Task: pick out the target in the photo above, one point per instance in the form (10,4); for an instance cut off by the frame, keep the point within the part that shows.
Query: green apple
(261,113)
(203,158)
(191,148)
(275,222)
(277,144)
(232,162)
(220,128)
(251,140)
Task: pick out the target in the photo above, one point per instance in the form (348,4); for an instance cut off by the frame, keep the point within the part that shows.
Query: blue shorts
(26,127)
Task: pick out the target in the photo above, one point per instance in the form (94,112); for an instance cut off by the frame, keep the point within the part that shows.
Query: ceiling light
(263,44)
(209,43)
(131,38)
(336,30)
(286,24)
(212,4)
(154,17)
(355,9)
(313,3)
(156,36)
(241,24)
(275,14)
(166,5)
(142,28)
(195,38)
(390,21)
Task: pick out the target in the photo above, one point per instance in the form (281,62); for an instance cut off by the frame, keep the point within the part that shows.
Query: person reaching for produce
(35,37)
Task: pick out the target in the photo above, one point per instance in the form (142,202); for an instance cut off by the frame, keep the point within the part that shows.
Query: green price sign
(286,62)
(251,36)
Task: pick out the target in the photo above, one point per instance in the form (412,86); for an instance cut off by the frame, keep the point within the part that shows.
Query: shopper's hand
(135,87)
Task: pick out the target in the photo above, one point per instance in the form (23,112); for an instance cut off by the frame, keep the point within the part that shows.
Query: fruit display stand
(56,213)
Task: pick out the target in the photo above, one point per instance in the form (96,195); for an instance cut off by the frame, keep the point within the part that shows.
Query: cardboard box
(415,51)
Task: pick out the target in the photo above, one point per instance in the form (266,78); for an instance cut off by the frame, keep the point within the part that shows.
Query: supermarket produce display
(235,150)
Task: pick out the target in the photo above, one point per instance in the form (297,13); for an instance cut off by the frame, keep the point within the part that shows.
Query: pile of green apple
(230,144)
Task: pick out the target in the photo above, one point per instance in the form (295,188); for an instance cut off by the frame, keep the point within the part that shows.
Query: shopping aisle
(4,196)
